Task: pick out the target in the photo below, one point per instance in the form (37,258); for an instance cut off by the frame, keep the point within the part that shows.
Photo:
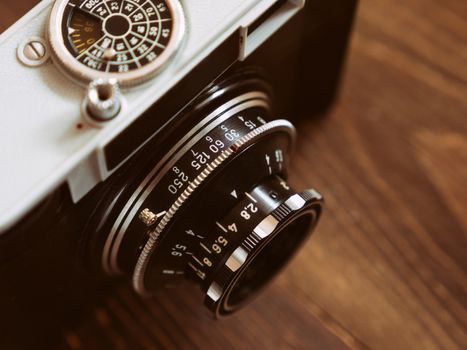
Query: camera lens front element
(215,209)
(252,243)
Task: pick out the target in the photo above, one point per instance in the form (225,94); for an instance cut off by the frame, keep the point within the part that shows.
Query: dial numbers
(117,36)
(199,234)
(83,31)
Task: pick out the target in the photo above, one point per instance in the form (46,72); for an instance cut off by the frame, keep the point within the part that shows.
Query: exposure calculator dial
(126,40)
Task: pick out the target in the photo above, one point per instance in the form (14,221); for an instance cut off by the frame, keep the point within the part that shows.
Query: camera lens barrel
(252,243)
(214,209)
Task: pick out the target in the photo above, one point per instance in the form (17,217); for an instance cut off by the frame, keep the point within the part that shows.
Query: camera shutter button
(103,101)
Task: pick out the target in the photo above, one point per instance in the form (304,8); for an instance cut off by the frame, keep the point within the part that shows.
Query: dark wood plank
(390,257)
(12,10)
(177,319)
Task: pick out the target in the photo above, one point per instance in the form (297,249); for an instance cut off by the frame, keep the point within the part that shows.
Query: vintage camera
(142,139)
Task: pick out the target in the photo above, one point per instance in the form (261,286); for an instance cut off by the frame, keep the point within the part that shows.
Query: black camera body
(52,261)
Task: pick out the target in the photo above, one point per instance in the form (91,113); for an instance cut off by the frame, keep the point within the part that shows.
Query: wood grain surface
(387,268)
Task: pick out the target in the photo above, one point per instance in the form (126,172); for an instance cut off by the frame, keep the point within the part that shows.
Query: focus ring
(154,191)
(245,141)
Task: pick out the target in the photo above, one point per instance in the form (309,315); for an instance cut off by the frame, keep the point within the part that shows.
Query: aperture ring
(242,143)
(153,183)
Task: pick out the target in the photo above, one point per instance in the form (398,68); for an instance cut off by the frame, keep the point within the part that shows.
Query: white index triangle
(234,194)
(71,30)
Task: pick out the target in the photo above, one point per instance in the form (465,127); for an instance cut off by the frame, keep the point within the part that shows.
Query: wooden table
(387,268)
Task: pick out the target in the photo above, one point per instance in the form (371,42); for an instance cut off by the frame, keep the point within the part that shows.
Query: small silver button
(103,101)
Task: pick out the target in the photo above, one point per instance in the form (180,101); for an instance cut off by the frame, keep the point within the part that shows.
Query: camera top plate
(44,139)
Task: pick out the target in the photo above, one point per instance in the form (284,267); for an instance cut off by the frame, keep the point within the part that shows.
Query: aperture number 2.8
(247,211)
